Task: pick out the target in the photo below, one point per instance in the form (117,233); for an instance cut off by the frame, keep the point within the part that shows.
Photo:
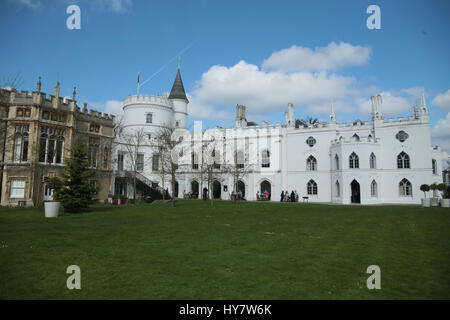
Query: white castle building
(384,161)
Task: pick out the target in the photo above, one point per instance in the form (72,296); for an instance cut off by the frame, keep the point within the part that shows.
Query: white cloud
(442,100)
(440,133)
(442,128)
(117,6)
(199,110)
(263,91)
(331,57)
(31,4)
(394,102)
(113,107)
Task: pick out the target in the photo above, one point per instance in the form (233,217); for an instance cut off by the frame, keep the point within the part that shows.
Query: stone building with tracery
(36,135)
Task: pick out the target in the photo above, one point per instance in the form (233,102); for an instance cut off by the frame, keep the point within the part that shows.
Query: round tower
(148,112)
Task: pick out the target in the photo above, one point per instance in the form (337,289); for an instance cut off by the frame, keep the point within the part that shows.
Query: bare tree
(238,168)
(164,146)
(203,157)
(133,142)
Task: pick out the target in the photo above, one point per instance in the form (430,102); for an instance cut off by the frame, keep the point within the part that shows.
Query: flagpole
(138,84)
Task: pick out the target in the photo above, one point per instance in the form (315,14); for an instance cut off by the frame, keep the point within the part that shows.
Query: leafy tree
(425,188)
(441,187)
(75,189)
(434,187)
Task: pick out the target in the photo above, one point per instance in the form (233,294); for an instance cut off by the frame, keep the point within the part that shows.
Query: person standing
(282,196)
(292,196)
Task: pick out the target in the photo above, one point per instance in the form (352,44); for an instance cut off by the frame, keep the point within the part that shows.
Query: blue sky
(263,54)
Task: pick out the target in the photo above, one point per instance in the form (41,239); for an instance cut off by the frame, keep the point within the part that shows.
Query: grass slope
(230,251)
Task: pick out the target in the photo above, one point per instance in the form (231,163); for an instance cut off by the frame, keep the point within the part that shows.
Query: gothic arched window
(338,189)
(240,159)
(403,161)
(373,161)
(311,187)
(373,189)
(51,145)
(21,143)
(311,164)
(265,157)
(194,160)
(353,161)
(405,188)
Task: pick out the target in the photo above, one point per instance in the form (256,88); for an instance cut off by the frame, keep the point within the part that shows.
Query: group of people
(286,197)
(263,195)
(190,195)
(237,195)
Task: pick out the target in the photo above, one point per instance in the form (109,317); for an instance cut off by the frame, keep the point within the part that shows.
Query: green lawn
(230,251)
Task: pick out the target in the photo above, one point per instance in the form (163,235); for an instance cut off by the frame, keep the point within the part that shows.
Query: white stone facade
(390,159)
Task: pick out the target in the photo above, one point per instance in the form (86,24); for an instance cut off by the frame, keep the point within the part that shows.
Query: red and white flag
(138,78)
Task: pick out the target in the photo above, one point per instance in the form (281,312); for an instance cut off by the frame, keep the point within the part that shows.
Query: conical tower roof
(177,91)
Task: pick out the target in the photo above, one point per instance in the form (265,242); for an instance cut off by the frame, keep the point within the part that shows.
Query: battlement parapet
(146,99)
(403,121)
(36,98)
(94,115)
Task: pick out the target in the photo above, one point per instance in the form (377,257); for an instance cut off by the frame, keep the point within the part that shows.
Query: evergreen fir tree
(74,189)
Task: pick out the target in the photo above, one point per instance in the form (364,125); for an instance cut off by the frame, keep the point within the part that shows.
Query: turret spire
(332,117)
(74,94)
(423,103)
(38,87)
(177,91)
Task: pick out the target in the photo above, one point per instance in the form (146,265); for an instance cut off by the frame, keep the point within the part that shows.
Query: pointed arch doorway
(355,192)
(216,186)
(241,187)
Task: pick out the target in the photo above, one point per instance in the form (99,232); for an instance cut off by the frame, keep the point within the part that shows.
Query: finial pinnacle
(39,84)
(179,62)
